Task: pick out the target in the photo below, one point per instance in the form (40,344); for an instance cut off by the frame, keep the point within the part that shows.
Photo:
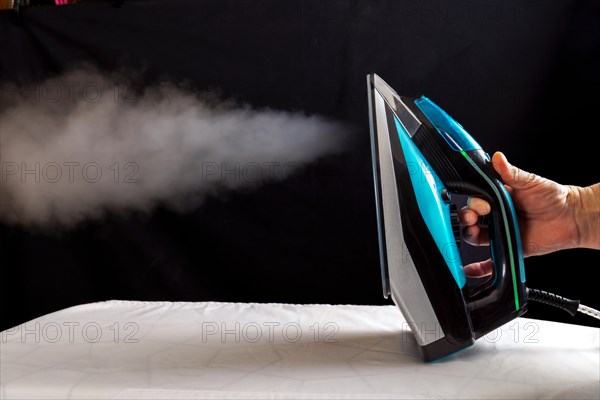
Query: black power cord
(570,306)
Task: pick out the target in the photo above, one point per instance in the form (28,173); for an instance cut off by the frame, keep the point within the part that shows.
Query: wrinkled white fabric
(137,350)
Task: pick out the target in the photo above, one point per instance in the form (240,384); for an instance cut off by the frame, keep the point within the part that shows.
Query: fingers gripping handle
(505,242)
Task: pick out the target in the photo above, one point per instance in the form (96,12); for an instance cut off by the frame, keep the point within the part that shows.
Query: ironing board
(136,350)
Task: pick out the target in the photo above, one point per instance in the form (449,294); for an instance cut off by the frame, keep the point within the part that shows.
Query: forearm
(587,217)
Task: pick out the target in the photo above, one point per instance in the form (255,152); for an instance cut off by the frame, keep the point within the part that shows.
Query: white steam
(81,144)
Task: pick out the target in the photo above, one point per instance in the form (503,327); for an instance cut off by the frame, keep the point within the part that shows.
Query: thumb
(511,175)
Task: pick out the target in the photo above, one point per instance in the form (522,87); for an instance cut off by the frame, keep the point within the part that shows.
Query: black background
(521,76)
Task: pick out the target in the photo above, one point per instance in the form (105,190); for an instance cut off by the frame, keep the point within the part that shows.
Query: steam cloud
(84,143)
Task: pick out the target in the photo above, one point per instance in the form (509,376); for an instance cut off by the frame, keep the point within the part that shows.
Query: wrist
(586,213)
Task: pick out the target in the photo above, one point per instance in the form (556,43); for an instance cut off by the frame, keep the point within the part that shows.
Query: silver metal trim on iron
(406,287)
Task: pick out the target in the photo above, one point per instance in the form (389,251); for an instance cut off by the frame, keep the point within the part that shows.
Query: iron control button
(446,196)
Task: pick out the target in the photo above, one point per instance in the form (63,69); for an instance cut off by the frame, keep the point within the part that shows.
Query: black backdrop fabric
(517,74)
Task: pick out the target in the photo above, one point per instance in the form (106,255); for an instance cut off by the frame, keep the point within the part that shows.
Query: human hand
(550,215)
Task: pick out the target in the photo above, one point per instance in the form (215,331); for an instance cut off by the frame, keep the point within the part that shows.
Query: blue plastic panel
(453,132)
(435,212)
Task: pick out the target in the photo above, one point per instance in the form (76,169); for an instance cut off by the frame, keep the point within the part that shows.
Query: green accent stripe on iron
(510,249)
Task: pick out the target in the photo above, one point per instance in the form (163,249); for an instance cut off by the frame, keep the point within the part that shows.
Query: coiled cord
(570,306)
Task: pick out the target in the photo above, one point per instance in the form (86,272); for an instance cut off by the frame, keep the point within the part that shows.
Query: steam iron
(421,156)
